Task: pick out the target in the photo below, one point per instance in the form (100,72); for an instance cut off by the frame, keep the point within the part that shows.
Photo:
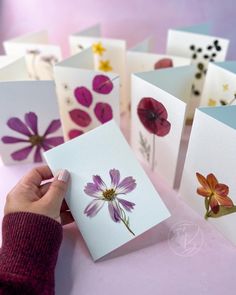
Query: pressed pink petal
(163,63)
(83,96)
(92,190)
(114,211)
(126,185)
(103,112)
(115,177)
(37,155)
(126,204)
(31,120)
(74,133)
(162,127)
(102,84)
(54,141)
(53,127)
(17,125)
(22,154)
(94,207)
(10,139)
(99,182)
(80,117)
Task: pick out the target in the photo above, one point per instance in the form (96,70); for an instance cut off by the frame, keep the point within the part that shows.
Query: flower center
(151,115)
(36,139)
(109,194)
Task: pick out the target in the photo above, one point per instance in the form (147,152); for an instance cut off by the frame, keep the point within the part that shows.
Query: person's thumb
(57,190)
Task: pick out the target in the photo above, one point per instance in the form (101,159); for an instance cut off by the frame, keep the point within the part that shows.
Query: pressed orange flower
(104,65)
(215,192)
(98,48)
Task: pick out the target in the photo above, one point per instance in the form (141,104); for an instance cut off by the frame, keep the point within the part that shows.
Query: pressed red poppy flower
(153,116)
(163,63)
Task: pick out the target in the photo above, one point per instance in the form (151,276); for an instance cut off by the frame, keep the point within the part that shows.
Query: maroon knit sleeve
(30,245)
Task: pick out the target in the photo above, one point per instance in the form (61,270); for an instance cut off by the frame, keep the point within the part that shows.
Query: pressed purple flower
(83,96)
(102,84)
(36,142)
(103,112)
(109,195)
(80,117)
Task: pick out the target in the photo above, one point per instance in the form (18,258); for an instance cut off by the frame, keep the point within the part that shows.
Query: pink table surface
(182,255)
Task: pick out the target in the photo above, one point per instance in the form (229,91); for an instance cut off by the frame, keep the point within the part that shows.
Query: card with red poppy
(208,181)
(111,198)
(159,106)
(197,44)
(109,55)
(40,55)
(220,84)
(29,120)
(87,98)
(13,68)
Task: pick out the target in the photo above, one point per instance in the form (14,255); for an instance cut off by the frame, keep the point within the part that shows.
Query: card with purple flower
(202,48)
(158,112)
(111,198)
(29,120)
(87,98)
(40,56)
(109,55)
(13,68)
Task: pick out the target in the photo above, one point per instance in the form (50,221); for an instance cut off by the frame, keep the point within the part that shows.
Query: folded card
(158,112)
(196,43)
(208,181)
(87,98)
(220,84)
(111,198)
(39,54)
(29,120)
(13,68)
(109,54)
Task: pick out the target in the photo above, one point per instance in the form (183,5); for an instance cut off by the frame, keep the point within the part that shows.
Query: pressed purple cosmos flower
(29,128)
(109,195)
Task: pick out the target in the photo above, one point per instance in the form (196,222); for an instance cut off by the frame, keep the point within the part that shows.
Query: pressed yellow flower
(104,65)
(98,48)
(225,87)
(211,102)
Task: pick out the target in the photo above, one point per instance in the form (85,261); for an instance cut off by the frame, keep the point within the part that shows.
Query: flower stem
(123,218)
(126,225)
(153,152)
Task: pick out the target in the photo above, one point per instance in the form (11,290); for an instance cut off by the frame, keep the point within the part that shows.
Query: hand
(30,195)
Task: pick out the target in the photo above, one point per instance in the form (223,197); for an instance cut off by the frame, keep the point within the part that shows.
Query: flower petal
(80,117)
(203,192)
(115,177)
(212,181)
(74,133)
(94,207)
(202,180)
(162,127)
(102,84)
(92,190)
(37,155)
(126,204)
(53,127)
(10,139)
(17,125)
(31,120)
(223,200)
(22,154)
(103,112)
(163,63)
(54,141)
(100,184)
(83,96)
(114,211)
(126,185)
(221,189)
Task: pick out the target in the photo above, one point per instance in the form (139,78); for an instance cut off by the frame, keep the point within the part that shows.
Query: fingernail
(63,175)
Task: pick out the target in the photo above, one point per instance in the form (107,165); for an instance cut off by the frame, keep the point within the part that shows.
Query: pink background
(131,19)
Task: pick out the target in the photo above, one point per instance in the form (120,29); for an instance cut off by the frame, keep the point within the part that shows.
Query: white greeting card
(39,54)
(29,120)
(208,181)
(111,198)
(87,98)
(158,112)
(196,43)
(13,68)
(109,54)
(220,84)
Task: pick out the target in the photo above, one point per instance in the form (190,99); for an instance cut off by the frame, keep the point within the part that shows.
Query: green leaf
(207,202)
(222,211)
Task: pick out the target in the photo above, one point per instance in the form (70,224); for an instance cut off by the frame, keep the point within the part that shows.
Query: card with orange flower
(208,181)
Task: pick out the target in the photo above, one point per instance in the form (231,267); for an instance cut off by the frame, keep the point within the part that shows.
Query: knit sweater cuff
(30,245)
